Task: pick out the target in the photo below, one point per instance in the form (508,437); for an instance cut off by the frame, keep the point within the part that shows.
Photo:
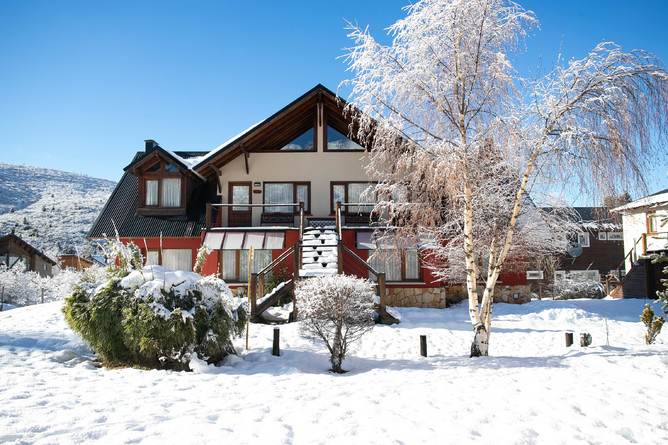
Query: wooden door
(239,215)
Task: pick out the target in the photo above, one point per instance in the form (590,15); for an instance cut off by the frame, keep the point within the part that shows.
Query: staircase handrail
(301,221)
(361,261)
(618,270)
(277,261)
(380,276)
(257,279)
(338,220)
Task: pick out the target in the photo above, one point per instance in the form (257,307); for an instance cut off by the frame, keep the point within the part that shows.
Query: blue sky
(83,83)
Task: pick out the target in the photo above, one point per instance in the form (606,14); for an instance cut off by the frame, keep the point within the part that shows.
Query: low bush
(572,288)
(155,317)
(338,310)
(652,323)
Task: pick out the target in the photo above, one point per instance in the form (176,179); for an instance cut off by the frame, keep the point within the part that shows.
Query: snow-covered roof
(657,199)
(189,162)
(222,147)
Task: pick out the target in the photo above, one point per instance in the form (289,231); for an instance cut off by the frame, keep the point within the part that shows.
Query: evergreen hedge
(155,318)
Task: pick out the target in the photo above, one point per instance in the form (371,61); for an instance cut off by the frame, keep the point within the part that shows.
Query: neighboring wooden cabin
(14,250)
(598,249)
(263,189)
(74,263)
(595,251)
(643,236)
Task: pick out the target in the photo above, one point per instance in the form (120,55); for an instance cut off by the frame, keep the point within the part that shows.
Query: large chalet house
(291,188)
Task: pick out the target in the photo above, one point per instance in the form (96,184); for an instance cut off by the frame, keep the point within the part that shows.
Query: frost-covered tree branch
(466,151)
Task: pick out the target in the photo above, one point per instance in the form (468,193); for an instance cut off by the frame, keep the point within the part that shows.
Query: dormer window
(162,189)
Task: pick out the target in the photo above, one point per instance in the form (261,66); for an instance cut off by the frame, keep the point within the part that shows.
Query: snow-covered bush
(202,253)
(336,309)
(22,288)
(61,285)
(155,317)
(577,287)
(662,258)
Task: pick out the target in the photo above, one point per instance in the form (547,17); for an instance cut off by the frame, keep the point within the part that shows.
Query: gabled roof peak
(319,88)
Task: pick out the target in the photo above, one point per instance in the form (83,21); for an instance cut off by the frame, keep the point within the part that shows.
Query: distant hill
(50,209)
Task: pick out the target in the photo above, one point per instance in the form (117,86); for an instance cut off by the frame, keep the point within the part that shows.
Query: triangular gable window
(305,142)
(154,168)
(337,141)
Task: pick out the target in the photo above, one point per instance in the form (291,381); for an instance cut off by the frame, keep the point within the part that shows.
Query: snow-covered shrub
(22,288)
(202,253)
(336,309)
(155,317)
(61,285)
(121,256)
(577,287)
(652,323)
(662,258)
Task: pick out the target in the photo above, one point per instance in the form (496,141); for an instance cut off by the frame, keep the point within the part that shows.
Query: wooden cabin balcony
(254,215)
(222,216)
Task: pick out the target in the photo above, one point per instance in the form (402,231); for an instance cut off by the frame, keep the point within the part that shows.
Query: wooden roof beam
(246,156)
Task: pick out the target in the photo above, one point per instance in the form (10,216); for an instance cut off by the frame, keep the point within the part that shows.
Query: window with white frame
(582,275)
(559,275)
(534,274)
(583,239)
(602,236)
(615,236)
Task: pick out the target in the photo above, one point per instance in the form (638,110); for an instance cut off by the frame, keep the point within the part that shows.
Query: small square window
(602,236)
(534,274)
(583,239)
(652,223)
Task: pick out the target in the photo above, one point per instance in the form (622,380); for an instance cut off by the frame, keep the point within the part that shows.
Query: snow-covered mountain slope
(50,209)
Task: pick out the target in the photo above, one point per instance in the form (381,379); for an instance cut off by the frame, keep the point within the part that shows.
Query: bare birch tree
(336,309)
(467,151)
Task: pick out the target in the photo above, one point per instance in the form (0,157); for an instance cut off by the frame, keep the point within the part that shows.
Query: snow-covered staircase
(319,252)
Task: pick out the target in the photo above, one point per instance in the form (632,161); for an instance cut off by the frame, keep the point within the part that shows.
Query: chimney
(150,145)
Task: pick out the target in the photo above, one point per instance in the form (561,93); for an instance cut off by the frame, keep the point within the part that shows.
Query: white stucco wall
(635,225)
(319,168)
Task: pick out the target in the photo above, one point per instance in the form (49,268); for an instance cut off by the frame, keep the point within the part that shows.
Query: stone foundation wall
(441,297)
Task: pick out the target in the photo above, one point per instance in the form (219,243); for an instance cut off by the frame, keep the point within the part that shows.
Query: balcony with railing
(290,215)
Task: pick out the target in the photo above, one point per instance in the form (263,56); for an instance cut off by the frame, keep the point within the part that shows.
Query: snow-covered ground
(532,390)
